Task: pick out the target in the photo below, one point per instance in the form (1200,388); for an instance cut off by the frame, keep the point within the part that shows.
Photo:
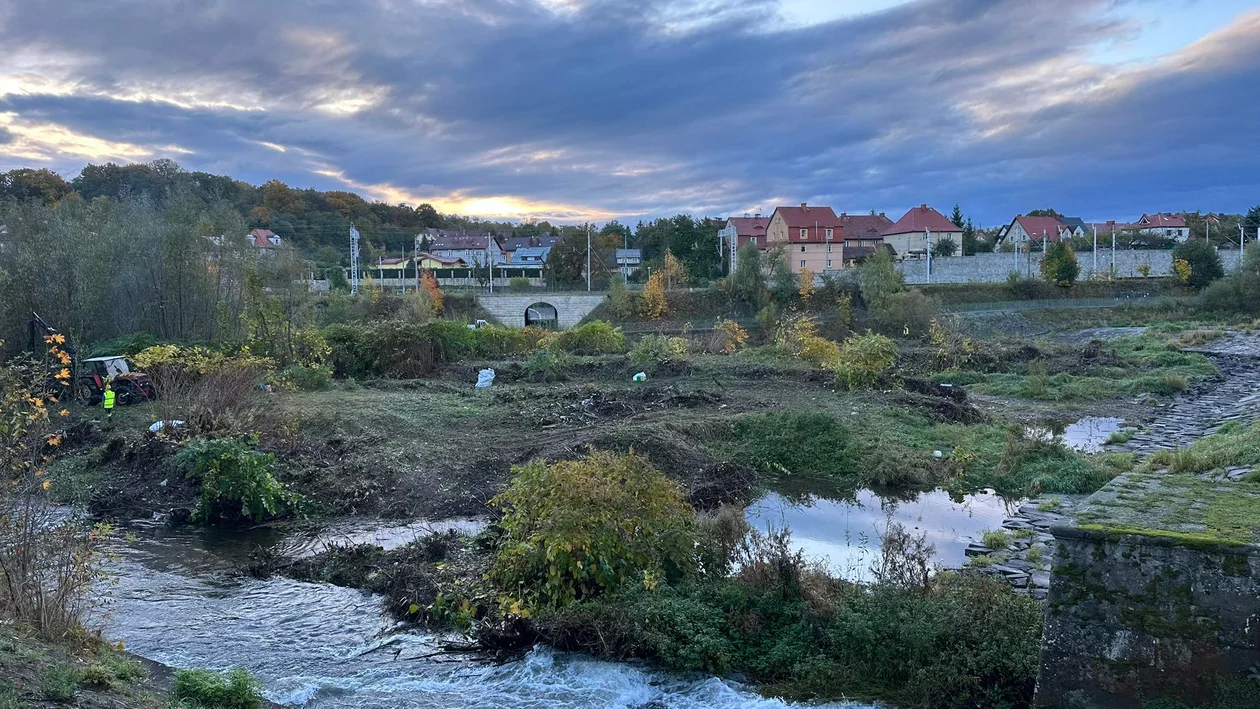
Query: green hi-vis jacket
(109,399)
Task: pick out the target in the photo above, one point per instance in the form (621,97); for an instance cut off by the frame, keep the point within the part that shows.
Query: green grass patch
(1179,506)
(996,539)
(1234,445)
(234,689)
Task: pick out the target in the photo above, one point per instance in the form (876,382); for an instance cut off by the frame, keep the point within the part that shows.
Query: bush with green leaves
(659,349)
(865,359)
(236,481)
(906,314)
(576,529)
(401,350)
(806,444)
(592,338)
(1059,265)
(547,365)
(302,377)
(234,689)
(1205,263)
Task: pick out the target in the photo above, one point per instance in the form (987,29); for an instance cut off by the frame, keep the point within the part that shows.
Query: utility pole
(490,263)
(354,261)
(928,236)
(1095,273)
(1113,250)
(588,257)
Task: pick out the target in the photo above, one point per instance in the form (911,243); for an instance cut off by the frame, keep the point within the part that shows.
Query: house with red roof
(1171,226)
(864,230)
(812,236)
(746,229)
(908,237)
(1024,229)
(266,241)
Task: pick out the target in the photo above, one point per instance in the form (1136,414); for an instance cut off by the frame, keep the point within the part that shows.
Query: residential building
(512,244)
(266,241)
(865,230)
(813,237)
(629,260)
(473,248)
(1024,229)
(1076,226)
(908,237)
(391,270)
(429,262)
(738,232)
(1172,226)
(531,255)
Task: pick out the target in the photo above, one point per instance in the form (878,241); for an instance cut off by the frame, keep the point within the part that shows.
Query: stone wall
(994,267)
(1132,618)
(510,309)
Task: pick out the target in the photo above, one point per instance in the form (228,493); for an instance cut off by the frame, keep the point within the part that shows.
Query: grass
(996,539)
(1120,437)
(1033,554)
(1050,505)
(59,683)
(234,689)
(1234,445)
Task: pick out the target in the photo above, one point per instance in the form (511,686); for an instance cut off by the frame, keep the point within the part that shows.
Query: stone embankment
(1231,396)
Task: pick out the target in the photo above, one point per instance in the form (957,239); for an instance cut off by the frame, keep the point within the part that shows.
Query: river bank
(834,465)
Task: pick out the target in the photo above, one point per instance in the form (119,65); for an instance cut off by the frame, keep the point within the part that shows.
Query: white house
(1172,226)
(908,237)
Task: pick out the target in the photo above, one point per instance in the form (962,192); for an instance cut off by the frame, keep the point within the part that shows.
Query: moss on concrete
(1183,508)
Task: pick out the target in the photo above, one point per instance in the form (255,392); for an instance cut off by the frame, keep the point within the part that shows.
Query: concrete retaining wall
(995,267)
(510,309)
(1134,618)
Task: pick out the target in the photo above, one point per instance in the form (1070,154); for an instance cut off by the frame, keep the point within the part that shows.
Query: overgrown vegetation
(236,481)
(203,689)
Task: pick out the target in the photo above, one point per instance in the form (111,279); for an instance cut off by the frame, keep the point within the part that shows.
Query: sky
(570,110)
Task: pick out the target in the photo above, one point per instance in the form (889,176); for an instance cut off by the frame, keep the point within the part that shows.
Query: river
(179,599)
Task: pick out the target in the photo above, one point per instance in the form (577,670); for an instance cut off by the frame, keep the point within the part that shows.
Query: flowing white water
(179,600)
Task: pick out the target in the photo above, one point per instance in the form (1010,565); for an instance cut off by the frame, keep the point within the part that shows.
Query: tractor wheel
(85,393)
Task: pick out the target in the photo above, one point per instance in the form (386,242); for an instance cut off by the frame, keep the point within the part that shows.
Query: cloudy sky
(574,109)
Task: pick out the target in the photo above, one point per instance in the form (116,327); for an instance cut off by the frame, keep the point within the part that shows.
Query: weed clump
(236,481)
(592,338)
(864,359)
(234,689)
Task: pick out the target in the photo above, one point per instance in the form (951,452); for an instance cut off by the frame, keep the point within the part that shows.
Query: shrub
(202,386)
(298,377)
(519,285)
(907,313)
(547,365)
(944,248)
(96,675)
(864,359)
(1224,295)
(806,289)
(1059,265)
(768,318)
(406,350)
(59,683)
(1205,263)
(620,303)
(576,529)
(748,283)
(821,352)
(658,349)
(596,337)
(653,302)
(880,279)
(728,336)
(234,689)
(236,481)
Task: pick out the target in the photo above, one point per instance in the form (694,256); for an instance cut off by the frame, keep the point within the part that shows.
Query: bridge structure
(564,309)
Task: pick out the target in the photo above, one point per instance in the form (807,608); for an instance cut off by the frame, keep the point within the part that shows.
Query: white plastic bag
(640,377)
(485,378)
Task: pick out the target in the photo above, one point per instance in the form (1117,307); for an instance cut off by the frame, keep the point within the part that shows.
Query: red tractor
(91,375)
(129,387)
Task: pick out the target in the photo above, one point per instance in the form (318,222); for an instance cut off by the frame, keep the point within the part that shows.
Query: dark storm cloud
(652,107)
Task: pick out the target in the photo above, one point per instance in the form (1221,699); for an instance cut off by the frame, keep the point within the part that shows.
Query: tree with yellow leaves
(653,303)
(674,271)
(807,284)
(48,563)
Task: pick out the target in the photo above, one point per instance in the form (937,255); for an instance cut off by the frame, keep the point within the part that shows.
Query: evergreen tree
(957,217)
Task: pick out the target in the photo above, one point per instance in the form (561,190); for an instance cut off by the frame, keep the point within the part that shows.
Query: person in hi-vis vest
(109,401)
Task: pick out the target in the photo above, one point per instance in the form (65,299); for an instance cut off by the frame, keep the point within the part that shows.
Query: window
(802,263)
(1169,232)
(828,248)
(829,233)
(802,248)
(828,263)
(804,233)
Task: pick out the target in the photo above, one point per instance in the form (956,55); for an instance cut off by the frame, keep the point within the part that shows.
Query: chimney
(804,206)
(882,214)
(757,215)
(843,214)
(923,206)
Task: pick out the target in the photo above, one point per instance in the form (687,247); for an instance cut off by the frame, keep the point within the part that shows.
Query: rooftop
(922,218)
